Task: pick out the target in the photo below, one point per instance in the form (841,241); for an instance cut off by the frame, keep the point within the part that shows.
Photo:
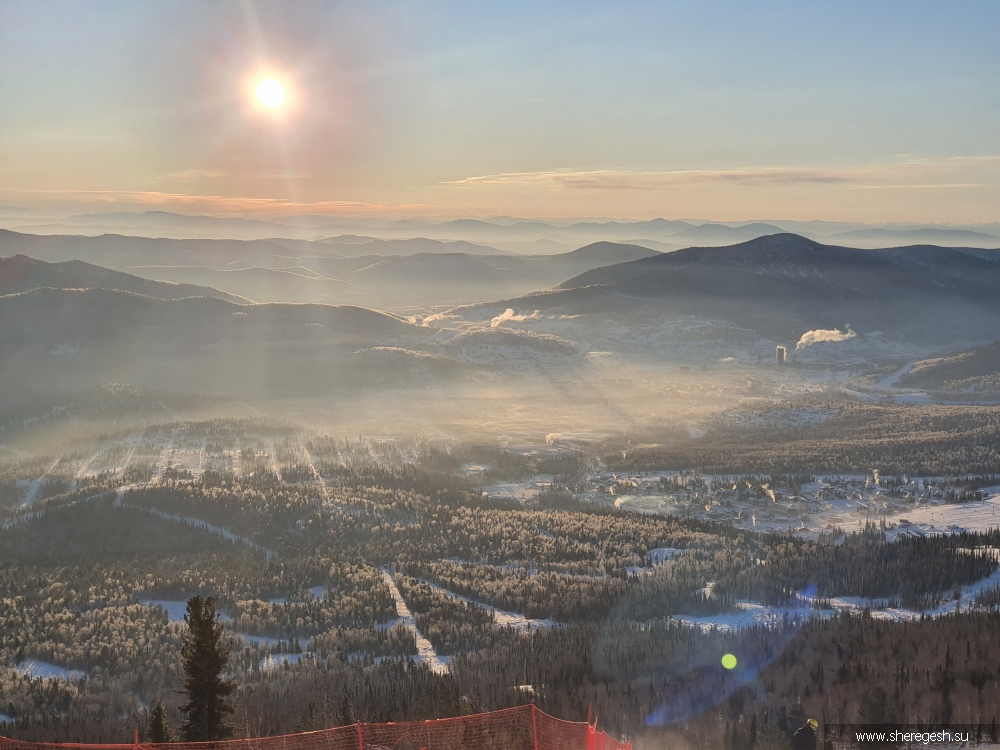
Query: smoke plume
(509,316)
(819,335)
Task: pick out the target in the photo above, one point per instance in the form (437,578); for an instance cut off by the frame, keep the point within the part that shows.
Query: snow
(425,651)
(502,617)
(912,397)
(35,485)
(662,554)
(260,640)
(948,519)
(175,609)
(886,383)
(5,719)
(198,524)
(47,671)
(360,656)
(318,592)
(276,660)
(751,614)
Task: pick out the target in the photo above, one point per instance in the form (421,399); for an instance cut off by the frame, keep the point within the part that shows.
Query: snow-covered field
(175,609)
(949,518)
(519,491)
(751,614)
(845,502)
(46,671)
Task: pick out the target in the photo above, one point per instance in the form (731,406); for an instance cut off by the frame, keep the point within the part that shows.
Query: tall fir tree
(159,727)
(346,714)
(206,657)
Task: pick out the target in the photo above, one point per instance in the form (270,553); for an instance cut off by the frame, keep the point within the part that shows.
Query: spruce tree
(206,657)
(159,728)
(346,715)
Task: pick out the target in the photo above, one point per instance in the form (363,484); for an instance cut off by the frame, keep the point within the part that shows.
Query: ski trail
(35,515)
(82,472)
(886,383)
(36,485)
(201,459)
(503,617)
(752,614)
(275,469)
(196,523)
(322,482)
(128,458)
(425,650)
(161,464)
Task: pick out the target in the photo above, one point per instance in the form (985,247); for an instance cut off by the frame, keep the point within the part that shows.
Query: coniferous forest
(312,553)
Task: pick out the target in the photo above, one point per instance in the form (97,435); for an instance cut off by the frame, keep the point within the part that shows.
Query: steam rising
(821,334)
(509,316)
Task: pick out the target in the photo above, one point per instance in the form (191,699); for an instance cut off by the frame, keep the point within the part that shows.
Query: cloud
(219,204)
(824,335)
(937,186)
(509,316)
(903,174)
(194,173)
(613,179)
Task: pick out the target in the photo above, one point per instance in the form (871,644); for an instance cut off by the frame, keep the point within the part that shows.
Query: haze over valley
(499,376)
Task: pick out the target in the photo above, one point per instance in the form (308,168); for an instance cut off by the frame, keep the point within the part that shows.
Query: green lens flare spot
(729,661)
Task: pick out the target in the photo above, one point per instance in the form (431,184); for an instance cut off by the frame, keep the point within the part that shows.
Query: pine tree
(206,658)
(345,714)
(159,728)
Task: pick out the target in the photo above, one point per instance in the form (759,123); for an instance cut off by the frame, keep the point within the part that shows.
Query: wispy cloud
(614,179)
(189,174)
(930,186)
(207,203)
(909,174)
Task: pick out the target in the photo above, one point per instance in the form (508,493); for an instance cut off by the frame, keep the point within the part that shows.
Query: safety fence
(520,728)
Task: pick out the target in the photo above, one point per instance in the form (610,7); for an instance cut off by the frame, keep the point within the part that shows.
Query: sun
(270,93)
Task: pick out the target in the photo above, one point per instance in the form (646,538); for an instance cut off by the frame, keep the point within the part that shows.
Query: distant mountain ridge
(20,273)
(331,271)
(70,340)
(783,285)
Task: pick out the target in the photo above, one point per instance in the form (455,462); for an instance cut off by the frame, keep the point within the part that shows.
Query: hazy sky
(870,111)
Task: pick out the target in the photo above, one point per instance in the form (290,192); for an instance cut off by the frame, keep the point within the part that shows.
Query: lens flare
(729,661)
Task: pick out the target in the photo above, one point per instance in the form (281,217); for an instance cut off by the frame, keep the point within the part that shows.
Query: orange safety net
(521,728)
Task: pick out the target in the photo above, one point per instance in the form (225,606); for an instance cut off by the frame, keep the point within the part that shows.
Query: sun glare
(270,93)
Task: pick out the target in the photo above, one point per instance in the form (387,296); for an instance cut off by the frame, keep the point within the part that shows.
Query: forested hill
(20,273)
(973,369)
(783,284)
(72,340)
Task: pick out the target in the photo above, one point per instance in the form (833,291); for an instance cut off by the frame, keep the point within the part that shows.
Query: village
(807,506)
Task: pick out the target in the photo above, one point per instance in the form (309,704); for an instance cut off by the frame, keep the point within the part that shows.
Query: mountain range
(20,273)
(780,286)
(338,270)
(71,325)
